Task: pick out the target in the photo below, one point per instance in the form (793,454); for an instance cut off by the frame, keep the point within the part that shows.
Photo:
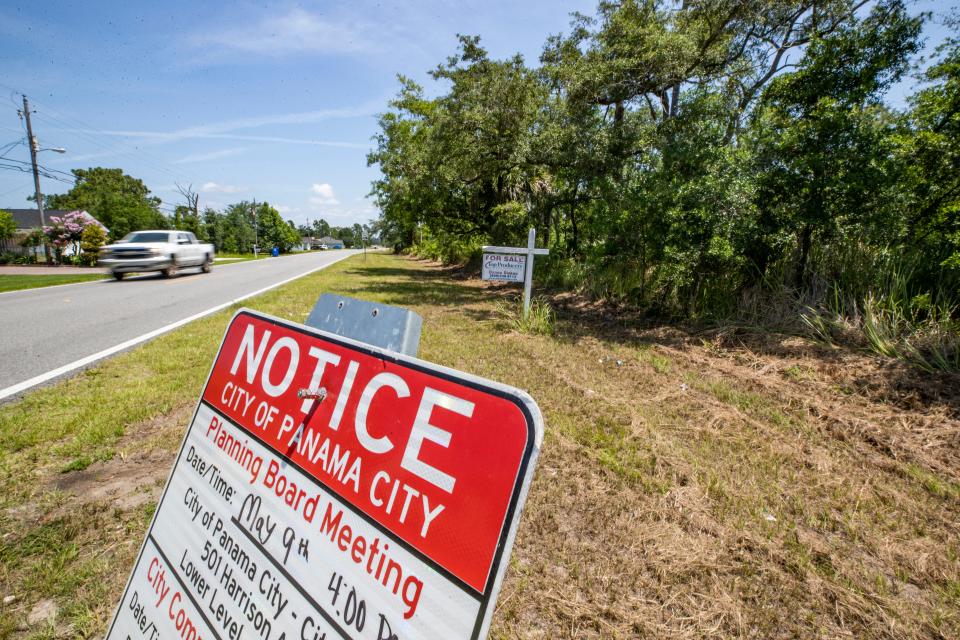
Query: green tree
(684,155)
(122,203)
(321,228)
(7,226)
(184,219)
(825,142)
(456,161)
(273,230)
(931,151)
(238,231)
(212,226)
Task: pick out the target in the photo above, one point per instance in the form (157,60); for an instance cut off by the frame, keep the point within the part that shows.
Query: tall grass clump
(541,318)
(895,318)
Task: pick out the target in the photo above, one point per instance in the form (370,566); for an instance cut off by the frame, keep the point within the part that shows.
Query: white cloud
(185,134)
(213,187)
(325,195)
(225,130)
(297,31)
(212,155)
(324,189)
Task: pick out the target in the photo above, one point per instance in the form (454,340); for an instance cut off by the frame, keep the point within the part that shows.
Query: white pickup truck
(165,251)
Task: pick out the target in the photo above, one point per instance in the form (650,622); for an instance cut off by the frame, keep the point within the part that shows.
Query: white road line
(106,279)
(20,387)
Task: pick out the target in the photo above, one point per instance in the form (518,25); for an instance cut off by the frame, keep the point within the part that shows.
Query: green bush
(92,238)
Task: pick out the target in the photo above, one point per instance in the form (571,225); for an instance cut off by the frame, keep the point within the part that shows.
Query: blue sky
(244,100)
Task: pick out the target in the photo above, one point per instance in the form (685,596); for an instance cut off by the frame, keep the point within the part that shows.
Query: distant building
(332,243)
(26,220)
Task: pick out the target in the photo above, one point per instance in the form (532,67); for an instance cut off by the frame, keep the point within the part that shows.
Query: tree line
(123,204)
(694,158)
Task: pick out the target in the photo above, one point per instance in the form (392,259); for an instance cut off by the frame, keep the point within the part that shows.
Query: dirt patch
(129,481)
(125,483)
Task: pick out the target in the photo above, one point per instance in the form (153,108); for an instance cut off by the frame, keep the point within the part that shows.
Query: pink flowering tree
(66,231)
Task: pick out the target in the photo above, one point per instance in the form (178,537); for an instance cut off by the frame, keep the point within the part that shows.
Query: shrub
(7,225)
(91,239)
(67,230)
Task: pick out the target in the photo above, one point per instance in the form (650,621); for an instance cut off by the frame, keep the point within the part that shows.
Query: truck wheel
(118,275)
(171,271)
(207,264)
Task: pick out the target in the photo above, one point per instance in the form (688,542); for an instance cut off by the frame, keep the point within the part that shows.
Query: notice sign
(381,505)
(504,267)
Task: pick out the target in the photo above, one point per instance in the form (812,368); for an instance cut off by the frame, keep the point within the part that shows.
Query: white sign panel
(384,511)
(504,267)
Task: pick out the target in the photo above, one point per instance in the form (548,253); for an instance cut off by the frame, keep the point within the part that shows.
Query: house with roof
(309,243)
(331,243)
(26,220)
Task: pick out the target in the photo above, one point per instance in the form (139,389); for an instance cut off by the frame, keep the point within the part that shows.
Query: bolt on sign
(328,489)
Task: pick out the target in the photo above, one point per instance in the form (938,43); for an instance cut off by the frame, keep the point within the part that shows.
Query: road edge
(30,383)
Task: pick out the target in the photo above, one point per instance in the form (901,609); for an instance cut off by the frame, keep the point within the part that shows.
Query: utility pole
(256,231)
(34,148)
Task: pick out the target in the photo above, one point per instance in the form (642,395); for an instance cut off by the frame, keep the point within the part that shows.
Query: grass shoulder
(686,488)
(27,281)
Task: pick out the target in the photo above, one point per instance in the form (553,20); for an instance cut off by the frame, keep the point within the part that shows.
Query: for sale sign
(327,489)
(504,267)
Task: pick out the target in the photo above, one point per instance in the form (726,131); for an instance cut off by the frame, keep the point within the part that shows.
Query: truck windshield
(146,236)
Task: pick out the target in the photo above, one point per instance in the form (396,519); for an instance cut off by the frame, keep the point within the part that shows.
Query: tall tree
(239,235)
(320,228)
(122,203)
(273,230)
(824,144)
(931,148)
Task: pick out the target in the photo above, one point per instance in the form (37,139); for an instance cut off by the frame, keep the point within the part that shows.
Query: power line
(13,167)
(7,148)
(40,166)
(70,130)
(82,130)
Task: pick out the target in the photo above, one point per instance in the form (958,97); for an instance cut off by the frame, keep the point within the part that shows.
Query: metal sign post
(504,273)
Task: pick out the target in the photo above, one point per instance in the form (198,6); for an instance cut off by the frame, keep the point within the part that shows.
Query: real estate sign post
(507,263)
(329,489)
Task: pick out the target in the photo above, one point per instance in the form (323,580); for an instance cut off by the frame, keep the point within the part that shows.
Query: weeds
(540,319)
(892,324)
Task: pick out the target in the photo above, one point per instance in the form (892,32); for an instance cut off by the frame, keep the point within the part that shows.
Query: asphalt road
(51,332)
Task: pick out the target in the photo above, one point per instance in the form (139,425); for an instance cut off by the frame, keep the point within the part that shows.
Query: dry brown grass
(716,485)
(725,484)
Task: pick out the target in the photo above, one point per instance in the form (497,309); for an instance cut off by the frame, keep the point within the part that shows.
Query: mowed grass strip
(684,491)
(10,282)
